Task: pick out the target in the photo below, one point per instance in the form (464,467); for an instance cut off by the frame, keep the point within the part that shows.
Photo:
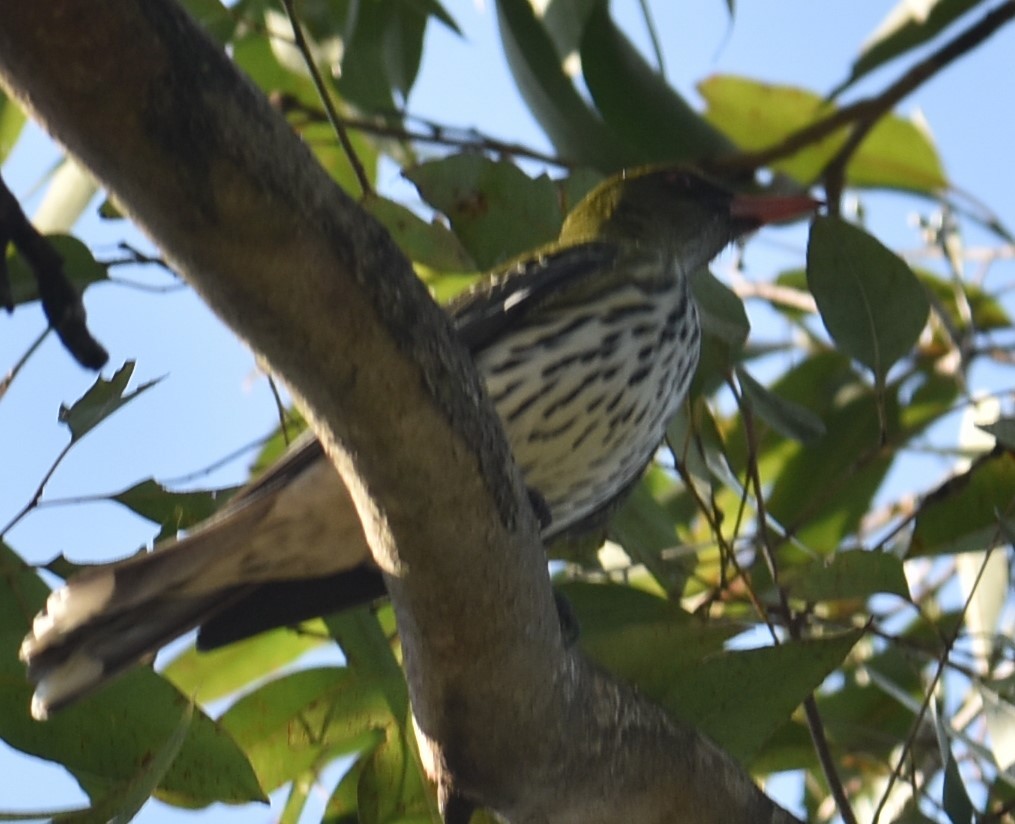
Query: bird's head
(676,210)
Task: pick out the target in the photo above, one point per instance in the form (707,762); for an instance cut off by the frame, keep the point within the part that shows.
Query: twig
(929,694)
(864,113)
(322,91)
(811,712)
(436,133)
(8,379)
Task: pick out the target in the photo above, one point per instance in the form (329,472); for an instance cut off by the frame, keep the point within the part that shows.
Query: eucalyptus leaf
(870,301)
(787,418)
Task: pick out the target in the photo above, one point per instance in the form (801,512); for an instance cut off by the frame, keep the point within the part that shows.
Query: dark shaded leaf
(107,740)
(100,401)
(963,514)
(787,418)
(654,121)
(79,266)
(495,209)
(1003,429)
(575,131)
(214,18)
(711,694)
(870,301)
(907,26)
(853,574)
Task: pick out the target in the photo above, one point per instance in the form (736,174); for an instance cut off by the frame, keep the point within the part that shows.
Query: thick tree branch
(509,717)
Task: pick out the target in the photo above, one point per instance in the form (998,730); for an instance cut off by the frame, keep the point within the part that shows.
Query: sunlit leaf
(173,510)
(207,676)
(897,154)
(291,723)
(12,120)
(758,115)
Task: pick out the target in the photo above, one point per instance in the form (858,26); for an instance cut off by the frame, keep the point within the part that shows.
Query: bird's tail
(110,617)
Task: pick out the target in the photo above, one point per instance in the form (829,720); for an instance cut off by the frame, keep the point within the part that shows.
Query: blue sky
(212,400)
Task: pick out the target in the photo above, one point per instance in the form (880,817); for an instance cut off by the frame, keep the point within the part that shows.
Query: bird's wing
(482,314)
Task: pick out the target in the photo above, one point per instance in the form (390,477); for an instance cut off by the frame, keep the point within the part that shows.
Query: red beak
(762,209)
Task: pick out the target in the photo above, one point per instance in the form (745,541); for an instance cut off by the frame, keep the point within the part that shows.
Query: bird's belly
(585,416)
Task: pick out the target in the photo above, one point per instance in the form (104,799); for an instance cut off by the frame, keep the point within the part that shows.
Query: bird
(587,348)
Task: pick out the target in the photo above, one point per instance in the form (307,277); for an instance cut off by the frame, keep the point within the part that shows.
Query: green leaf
(390,786)
(711,694)
(107,739)
(853,574)
(823,490)
(1003,429)
(368,652)
(984,310)
(431,244)
(870,301)
(645,526)
(207,676)
(214,18)
(724,330)
(787,418)
(575,131)
(100,401)
(965,513)
(12,120)
(907,26)
(955,799)
(758,115)
(640,637)
(300,720)
(79,266)
(679,661)
(173,510)
(652,119)
(897,154)
(495,209)
(136,792)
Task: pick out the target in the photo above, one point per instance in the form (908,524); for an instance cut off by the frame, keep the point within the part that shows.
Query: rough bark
(508,716)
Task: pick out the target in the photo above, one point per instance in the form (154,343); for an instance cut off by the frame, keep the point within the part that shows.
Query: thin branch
(323,93)
(33,502)
(929,693)
(811,712)
(12,373)
(868,110)
(435,133)
(653,35)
